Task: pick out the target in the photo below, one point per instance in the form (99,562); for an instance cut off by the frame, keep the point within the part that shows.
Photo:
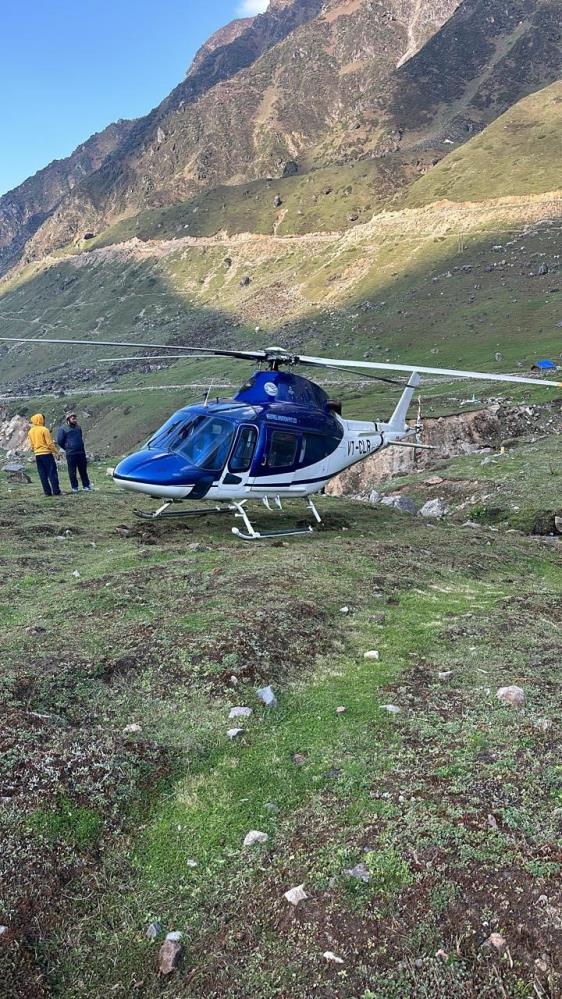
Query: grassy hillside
(333,198)
(450,285)
(518,154)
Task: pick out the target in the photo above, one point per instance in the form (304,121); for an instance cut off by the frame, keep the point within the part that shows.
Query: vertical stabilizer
(397,421)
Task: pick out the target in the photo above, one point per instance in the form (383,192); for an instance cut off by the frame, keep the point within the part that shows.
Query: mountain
(260,94)
(23,210)
(382,187)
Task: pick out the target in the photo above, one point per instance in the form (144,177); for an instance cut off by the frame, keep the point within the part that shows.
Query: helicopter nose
(157,473)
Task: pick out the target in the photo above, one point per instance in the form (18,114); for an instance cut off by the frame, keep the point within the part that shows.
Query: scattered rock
(434,480)
(543,270)
(434,508)
(290,168)
(267,697)
(441,954)
(244,281)
(233,733)
(132,727)
(543,724)
(192,863)
(496,940)
(558,522)
(445,675)
(360,872)
(299,759)
(296,895)
(352,216)
(514,696)
(277,201)
(240,712)
(374,497)
(170,953)
(491,821)
(270,806)
(392,709)
(152,930)
(76,574)
(329,955)
(403,503)
(378,618)
(344,610)
(255,836)
(3,930)
(371,654)
(341,709)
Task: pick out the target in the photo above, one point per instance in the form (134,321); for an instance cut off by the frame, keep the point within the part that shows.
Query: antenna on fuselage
(208,392)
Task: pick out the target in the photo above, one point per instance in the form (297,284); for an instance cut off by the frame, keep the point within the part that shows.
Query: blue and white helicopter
(280,437)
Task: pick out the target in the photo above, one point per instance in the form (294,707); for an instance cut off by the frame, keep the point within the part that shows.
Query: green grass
(161,630)
(517,154)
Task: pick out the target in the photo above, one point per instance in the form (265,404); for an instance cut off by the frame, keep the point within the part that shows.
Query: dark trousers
(78,463)
(46,466)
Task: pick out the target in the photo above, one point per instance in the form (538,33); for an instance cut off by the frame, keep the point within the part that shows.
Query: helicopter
(279,437)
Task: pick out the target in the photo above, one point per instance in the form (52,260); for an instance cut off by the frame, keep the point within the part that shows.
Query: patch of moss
(75,824)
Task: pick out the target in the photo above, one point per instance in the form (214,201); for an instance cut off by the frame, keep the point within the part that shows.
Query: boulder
(434,509)
(403,503)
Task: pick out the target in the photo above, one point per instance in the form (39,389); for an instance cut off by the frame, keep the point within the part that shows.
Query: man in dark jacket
(70,439)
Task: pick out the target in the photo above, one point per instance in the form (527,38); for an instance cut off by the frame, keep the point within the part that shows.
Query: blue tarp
(545,365)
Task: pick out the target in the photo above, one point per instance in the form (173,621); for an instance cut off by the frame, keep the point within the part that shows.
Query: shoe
(87,489)
(74,490)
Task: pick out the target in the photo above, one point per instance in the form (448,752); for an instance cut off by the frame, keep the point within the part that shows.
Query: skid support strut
(250,534)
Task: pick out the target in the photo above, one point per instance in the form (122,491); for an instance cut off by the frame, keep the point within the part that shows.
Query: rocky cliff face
(23,210)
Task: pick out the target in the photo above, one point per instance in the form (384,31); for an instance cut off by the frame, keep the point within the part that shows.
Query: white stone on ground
(296,895)
(255,836)
(514,696)
(239,712)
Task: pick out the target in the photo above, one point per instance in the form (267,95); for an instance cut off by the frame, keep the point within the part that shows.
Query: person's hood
(38,420)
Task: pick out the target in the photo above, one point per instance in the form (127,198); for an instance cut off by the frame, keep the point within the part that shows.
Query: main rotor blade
(325,362)
(243,355)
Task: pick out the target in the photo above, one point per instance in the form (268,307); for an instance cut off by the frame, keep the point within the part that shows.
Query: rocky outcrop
(23,210)
(461,433)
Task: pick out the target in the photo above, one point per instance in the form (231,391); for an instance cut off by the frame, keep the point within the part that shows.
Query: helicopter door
(240,462)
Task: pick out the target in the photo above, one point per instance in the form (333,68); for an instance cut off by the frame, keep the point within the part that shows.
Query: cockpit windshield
(207,441)
(204,440)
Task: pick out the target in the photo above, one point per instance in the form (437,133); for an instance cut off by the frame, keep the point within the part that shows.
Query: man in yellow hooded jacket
(44,449)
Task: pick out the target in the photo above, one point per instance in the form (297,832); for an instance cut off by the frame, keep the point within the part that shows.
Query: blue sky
(70,67)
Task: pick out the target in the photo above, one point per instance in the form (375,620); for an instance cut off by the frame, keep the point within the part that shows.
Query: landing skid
(162,513)
(252,535)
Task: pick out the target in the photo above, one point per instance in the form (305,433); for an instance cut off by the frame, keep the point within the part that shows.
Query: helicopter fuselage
(280,436)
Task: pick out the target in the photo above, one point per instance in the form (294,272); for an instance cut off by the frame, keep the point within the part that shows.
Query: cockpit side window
(243,452)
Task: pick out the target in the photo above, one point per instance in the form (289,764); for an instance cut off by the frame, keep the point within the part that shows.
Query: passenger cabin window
(244,450)
(282,449)
(315,447)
